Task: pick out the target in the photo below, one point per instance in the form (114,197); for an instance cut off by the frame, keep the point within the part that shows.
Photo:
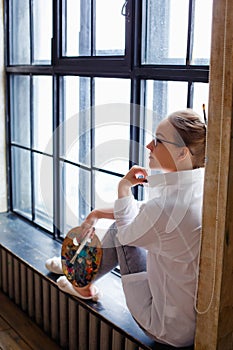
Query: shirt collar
(172,178)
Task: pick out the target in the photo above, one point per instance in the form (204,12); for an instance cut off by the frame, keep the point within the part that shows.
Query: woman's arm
(135,176)
(96,214)
(135,227)
(139,227)
(92,218)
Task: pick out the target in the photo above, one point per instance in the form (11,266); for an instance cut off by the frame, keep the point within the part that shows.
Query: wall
(3,186)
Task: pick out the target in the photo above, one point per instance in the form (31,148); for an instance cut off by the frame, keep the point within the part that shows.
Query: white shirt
(168,226)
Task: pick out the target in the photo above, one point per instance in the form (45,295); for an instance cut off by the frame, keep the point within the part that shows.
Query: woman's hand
(88,225)
(135,176)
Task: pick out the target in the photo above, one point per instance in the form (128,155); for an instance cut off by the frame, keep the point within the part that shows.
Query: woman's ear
(183,153)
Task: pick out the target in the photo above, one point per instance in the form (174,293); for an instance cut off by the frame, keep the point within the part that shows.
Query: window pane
(42,31)
(110,28)
(202,24)
(112,90)
(20,109)
(105,189)
(19,32)
(200,97)
(162,98)
(42,111)
(43,191)
(164,36)
(112,147)
(77,28)
(76,196)
(21,181)
(75,130)
(112,120)
(165,97)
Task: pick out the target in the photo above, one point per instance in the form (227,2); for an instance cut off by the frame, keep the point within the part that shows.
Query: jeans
(130,259)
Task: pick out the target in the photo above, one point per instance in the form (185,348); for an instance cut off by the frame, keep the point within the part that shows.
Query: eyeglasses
(158,140)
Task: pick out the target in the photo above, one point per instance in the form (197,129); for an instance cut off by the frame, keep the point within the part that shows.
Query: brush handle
(80,248)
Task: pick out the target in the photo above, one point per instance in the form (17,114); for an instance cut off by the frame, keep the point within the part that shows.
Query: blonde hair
(192,131)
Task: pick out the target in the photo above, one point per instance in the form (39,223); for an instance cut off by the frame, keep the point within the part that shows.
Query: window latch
(124,11)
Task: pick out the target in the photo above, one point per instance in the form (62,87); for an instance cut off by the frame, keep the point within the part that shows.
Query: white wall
(3,186)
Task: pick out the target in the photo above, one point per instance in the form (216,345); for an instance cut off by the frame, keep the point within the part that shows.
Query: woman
(157,243)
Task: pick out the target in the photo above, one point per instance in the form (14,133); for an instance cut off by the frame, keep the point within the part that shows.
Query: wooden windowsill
(34,247)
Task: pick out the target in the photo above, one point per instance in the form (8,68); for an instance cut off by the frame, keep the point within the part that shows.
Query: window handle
(124,9)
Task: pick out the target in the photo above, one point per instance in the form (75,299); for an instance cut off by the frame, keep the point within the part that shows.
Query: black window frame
(126,67)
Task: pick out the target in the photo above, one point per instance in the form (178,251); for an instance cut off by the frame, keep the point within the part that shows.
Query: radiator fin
(71,324)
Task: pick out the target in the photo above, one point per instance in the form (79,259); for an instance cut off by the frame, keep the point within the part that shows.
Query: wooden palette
(80,269)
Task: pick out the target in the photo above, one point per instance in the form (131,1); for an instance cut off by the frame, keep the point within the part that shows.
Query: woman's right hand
(88,225)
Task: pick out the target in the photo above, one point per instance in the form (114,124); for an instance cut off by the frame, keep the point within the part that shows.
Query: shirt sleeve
(126,208)
(138,226)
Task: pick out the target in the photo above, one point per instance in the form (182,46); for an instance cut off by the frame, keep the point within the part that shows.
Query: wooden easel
(215,292)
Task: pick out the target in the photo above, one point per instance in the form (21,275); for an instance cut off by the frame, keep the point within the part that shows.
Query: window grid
(125,67)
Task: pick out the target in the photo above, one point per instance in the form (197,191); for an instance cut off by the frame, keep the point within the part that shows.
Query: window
(93,29)
(87,84)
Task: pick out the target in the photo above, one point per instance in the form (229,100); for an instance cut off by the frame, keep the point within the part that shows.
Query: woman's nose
(150,145)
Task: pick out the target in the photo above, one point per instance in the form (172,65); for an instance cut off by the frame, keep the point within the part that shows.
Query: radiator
(72,325)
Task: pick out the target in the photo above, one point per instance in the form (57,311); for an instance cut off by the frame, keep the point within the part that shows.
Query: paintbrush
(204,113)
(80,248)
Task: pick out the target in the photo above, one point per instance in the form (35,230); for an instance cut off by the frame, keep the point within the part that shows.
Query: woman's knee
(110,239)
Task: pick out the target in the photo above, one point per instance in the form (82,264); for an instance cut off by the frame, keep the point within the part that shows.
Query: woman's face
(163,155)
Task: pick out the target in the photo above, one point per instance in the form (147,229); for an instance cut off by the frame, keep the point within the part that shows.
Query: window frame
(126,67)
